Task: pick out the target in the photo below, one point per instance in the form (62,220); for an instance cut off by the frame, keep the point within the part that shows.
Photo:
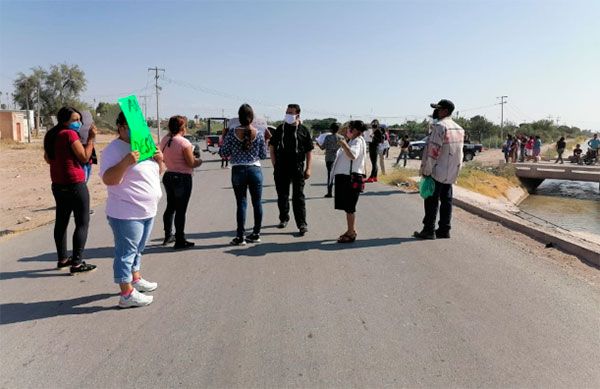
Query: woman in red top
(66,155)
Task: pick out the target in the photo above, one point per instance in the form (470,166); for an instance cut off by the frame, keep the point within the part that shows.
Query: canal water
(573,205)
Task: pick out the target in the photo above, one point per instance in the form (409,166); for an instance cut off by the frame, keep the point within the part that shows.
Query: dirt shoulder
(27,200)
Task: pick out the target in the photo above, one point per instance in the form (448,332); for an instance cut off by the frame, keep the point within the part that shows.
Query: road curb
(565,244)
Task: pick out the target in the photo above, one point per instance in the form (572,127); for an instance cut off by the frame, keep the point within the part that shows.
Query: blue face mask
(75,126)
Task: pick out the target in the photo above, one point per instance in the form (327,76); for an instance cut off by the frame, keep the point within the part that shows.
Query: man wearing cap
(442,160)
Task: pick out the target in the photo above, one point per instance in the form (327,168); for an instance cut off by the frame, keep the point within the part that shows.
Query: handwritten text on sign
(141,138)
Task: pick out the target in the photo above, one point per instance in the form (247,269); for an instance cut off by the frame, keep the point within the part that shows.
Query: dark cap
(449,105)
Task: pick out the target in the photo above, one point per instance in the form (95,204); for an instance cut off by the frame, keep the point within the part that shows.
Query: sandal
(347,238)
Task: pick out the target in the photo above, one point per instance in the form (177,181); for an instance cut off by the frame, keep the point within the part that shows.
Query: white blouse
(358,149)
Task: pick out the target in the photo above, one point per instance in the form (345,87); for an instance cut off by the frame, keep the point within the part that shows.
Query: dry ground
(27,200)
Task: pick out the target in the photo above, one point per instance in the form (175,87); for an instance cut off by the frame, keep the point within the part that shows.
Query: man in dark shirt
(291,145)
(376,139)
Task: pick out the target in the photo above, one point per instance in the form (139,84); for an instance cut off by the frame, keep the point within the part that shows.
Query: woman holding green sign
(133,193)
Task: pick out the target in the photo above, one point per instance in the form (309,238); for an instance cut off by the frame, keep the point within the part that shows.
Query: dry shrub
(489,181)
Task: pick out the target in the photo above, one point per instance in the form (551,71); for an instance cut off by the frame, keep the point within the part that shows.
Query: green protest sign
(141,138)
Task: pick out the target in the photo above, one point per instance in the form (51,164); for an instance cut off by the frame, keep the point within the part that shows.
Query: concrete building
(14,124)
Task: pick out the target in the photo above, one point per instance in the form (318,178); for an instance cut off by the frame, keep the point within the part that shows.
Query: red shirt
(65,168)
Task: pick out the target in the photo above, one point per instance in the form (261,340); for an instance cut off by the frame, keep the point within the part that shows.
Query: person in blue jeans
(133,188)
(245,147)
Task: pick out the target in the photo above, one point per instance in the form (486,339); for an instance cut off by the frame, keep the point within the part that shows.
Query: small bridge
(532,175)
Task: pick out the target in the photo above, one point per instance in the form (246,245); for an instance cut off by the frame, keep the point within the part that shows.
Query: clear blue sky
(334,58)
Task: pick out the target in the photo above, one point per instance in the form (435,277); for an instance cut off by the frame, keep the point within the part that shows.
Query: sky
(359,59)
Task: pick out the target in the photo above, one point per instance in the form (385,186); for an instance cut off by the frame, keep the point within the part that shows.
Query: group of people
(522,148)
(134,189)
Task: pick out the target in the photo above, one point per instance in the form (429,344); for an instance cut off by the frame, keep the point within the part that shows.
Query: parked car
(470,150)
(212,143)
(196,143)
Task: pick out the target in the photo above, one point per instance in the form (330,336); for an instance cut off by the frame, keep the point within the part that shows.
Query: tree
(27,87)
(106,115)
(59,86)
(64,84)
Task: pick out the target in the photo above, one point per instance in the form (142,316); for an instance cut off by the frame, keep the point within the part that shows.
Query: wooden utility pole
(156,70)
(502,102)
(37,124)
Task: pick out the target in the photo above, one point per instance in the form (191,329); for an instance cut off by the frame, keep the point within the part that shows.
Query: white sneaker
(142,285)
(135,299)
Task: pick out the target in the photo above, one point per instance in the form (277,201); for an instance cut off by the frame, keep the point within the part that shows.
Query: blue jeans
(244,178)
(130,240)
(87,169)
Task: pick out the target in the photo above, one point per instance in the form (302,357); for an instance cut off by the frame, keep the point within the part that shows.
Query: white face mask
(290,119)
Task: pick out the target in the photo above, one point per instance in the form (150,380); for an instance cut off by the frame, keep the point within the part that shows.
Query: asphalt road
(386,311)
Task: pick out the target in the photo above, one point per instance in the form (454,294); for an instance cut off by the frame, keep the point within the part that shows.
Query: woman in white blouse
(349,173)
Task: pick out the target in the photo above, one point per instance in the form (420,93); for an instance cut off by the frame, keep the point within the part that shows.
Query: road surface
(386,311)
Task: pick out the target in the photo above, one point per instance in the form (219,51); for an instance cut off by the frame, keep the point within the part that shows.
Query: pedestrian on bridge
(65,154)
(442,161)
(560,149)
(349,172)
(537,149)
(133,193)
(245,146)
(291,155)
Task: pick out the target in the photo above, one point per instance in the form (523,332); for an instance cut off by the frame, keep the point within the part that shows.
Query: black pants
(373,158)
(71,198)
(284,176)
(329,166)
(178,187)
(442,199)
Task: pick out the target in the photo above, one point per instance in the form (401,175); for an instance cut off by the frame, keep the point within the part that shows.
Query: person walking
(179,158)
(133,188)
(442,161)
(404,143)
(383,150)
(245,146)
(349,172)
(376,140)
(65,154)
(331,146)
(561,145)
(291,155)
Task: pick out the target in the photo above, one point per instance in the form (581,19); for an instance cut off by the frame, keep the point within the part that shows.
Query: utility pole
(37,125)
(502,102)
(27,114)
(145,106)
(156,70)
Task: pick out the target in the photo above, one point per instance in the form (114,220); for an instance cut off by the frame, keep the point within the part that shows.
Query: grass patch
(489,181)
(401,177)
